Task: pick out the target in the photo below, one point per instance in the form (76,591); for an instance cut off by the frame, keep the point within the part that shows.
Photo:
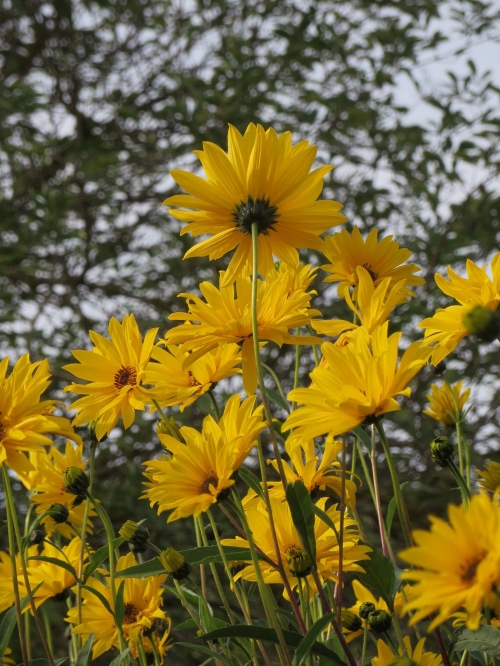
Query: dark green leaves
(308,642)
(380,575)
(251,480)
(84,654)
(485,639)
(302,510)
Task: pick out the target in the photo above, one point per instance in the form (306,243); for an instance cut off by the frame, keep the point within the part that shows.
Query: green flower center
(257,210)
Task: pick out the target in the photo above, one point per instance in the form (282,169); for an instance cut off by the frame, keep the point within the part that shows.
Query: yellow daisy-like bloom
(302,274)
(385,259)
(24,419)
(261,179)
(355,383)
(226,317)
(155,642)
(490,476)
(493,603)
(417,656)
(373,307)
(447,328)
(304,466)
(6,660)
(115,371)
(7,598)
(446,403)
(142,599)
(174,384)
(200,472)
(327,547)
(460,562)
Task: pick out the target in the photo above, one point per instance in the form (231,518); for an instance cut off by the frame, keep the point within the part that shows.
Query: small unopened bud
(365,609)
(299,562)
(350,620)
(379,621)
(483,323)
(134,533)
(169,427)
(441,451)
(209,531)
(59,513)
(36,537)
(76,481)
(78,500)
(175,564)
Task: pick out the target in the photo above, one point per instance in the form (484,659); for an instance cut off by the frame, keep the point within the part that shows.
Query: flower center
(370,270)
(211,480)
(470,569)
(131,613)
(255,210)
(124,376)
(192,381)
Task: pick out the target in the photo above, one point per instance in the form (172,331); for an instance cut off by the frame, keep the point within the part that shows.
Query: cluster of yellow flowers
(260,199)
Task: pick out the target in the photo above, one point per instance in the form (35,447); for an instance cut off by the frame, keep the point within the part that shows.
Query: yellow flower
(200,472)
(302,275)
(173,384)
(416,656)
(493,603)
(155,641)
(314,476)
(6,660)
(446,403)
(263,179)
(490,476)
(354,383)
(327,548)
(384,259)
(24,420)
(142,598)
(448,327)
(115,372)
(373,306)
(460,562)
(226,317)
(7,598)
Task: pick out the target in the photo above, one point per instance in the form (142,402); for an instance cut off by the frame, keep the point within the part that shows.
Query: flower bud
(76,481)
(379,621)
(209,531)
(175,564)
(135,534)
(36,537)
(350,620)
(169,427)
(299,562)
(78,500)
(365,609)
(441,451)
(235,566)
(58,512)
(483,323)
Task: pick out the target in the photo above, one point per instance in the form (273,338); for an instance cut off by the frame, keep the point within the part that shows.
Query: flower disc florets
(299,562)
(257,210)
(365,609)
(58,512)
(76,481)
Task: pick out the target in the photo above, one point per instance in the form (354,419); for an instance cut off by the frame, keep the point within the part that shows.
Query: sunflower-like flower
(315,473)
(24,419)
(155,641)
(261,179)
(355,382)
(115,371)
(225,316)
(385,259)
(174,384)
(327,546)
(459,562)
(385,656)
(200,472)
(7,597)
(492,602)
(478,295)
(446,403)
(303,275)
(489,477)
(142,598)
(373,306)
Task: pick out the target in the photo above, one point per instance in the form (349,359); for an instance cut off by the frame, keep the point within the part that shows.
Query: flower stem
(214,404)
(461,439)
(341,536)
(277,382)
(460,480)
(378,505)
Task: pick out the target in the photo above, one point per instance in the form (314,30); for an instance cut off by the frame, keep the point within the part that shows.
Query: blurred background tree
(99,100)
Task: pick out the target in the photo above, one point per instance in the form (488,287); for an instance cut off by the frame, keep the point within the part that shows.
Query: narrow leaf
(485,639)
(361,434)
(391,509)
(120,605)
(56,562)
(191,624)
(278,399)
(302,510)
(251,480)
(306,644)
(326,519)
(98,558)
(380,575)
(101,598)
(84,654)
(201,648)
(119,659)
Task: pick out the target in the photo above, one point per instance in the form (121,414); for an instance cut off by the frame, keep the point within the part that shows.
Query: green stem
(363,649)
(399,634)
(164,419)
(460,450)
(315,347)
(277,382)
(341,536)
(460,480)
(48,630)
(378,505)
(298,350)
(463,440)
(214,404)
(391,643)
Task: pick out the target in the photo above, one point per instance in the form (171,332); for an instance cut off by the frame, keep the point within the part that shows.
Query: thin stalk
(466,496)
(202,566)
(48,630)
(397,630)
(341,536)
(277,382)
(391,642)
(215,575)
(214,404)
(461,439)
(442,649)
(298,350)
(315,350)
(460,450)
(164,418)
(378,505)
(363,649)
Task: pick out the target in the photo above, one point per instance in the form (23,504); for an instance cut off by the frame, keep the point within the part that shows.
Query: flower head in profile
(459,562)
(446,403)
(385,259)
(385,656)
(200,472)
(175,384)
(114,370)
(327,546)
(262,179)
(142,598)
(478,296)
(225,316)
(355,382)
(25,419)
(492,602)
(489,477)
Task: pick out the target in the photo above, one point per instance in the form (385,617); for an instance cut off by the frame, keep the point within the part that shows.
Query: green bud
(483,323)
(135,534)
(36,537)
(365,609)
(76,481)
(169,427)
(379,621)
(58,512)
(350,620)
(175,564)
(299,562)
(209,531)
(441,451)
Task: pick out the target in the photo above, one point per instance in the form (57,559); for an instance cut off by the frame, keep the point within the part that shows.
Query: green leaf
(485,639)
(120,605)
(45,662)
(56,562)
(98,558)
(191,624)
(391,509)
(205,650)
(191,597)
(302,510)
(380,574)
(326,519)
(84,654)
(278,399)
(309,639)
(251,480)
(361,434)
(119,659)
(101,598)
